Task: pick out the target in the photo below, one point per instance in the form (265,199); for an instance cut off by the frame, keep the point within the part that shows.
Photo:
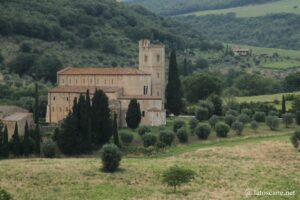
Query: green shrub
(202,131)
(273,113)
(111,157)
(254,125)
(232,112)
(213,120)
(176,176)
(207,104)
(238,127)
(288,119)
(126,137)
(273,122)
(4,195)
(193,123)
(149,140)
(244,118)
(259,116)
(298,117)
(49,149)
(229,119)
(295,139)
(182,135)
(166,137)
(202,114)
(143,130)
(247,111)
(222,129)
(178,124)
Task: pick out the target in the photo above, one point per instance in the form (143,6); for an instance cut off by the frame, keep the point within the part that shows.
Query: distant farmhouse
(10,115)
(241,52)
(145,83)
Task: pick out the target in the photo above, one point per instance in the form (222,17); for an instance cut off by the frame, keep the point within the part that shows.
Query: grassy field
(268,99)
(225,170)
(264,98)
(282,65)
(284,6)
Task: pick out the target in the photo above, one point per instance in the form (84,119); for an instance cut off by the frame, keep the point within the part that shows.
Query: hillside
(99,33)
(176,7)
(283,6)
(273,31)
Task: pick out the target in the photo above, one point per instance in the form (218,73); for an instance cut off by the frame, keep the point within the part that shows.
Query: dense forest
(277,31)
(177,7)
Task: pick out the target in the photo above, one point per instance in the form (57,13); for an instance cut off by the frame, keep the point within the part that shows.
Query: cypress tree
(16,141)
(283,106)
(26,144)
(37,139)
(101,123)
(36,104)
(185,67)
(115,131)
(5,147)
(133,114)
(88,116)
(174,93)
(67,139)
(1,137)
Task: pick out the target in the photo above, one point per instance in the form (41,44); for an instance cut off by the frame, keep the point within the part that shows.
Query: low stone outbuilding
(10,115)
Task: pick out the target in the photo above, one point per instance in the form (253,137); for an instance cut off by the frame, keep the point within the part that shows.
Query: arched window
(146,58)
(143,113)
(158,58)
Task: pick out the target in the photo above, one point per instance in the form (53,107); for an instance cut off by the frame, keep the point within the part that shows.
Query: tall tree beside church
(283,106)
(101,123)
(1,137)
(26,143)
(115,131)
(37,138)
(185,67)
(174,93)
(133,115)
(5,147)
(16,141)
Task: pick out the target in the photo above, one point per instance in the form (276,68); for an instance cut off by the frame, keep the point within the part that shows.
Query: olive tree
(176,176)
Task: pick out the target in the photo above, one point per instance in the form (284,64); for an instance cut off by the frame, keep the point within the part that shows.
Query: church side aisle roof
(83,89)
(102,71)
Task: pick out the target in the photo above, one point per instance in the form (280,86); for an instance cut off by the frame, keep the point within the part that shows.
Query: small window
(146,58)
(143,113)
(156,114)
(76,81)
(158,94)
(83,81)
(112,81)
(91,80)
(62,81)
(97,81)
(54,98)
(158,58)
(157,75)
(67,98)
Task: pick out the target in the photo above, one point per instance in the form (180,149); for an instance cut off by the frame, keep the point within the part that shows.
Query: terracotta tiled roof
(140,97)
(102,71)
(83,89)
(17,117)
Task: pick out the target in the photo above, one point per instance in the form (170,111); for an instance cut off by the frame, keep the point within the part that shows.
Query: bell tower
(152,60)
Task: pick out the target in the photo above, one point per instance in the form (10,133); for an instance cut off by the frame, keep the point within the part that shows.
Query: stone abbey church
(145,83)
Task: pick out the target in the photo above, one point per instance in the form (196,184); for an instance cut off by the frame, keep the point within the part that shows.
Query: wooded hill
(90,32)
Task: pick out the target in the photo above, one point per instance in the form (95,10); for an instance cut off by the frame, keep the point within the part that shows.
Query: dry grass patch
(222,173)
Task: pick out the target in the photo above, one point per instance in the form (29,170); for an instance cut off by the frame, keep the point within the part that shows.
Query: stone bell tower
(152,60)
